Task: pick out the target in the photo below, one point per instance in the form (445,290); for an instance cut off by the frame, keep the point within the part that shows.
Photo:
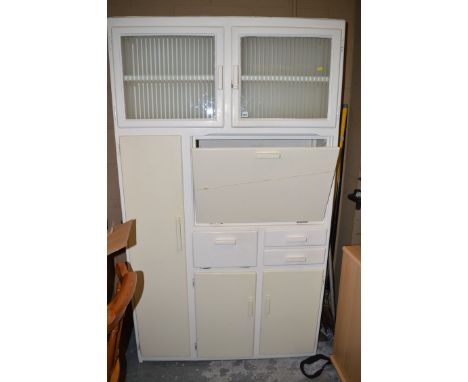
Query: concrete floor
(260,370)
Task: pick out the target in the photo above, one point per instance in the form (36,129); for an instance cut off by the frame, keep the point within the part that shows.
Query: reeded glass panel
(169,77)
(285,77)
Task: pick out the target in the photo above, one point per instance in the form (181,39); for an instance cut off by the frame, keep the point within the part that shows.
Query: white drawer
(225,249)
(294,256)
(295,237)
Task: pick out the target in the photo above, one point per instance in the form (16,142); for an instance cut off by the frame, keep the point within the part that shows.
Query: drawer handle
(268,303)
(296,239)
(296,259)
(225,241)
(268,155)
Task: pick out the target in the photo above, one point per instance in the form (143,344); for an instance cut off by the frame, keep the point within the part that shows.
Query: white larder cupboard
(227,137)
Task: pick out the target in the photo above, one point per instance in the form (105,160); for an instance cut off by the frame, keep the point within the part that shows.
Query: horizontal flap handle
(268,154)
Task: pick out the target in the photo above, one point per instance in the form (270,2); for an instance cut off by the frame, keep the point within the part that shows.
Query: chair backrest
(115,312)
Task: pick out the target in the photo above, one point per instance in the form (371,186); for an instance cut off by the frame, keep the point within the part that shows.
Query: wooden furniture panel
(346,355)
(126,286)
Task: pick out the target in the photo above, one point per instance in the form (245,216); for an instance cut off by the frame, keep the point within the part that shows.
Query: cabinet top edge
(139,21)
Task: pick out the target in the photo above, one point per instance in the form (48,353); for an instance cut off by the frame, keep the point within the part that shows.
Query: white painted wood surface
(298,256)
(254,185)
(186,132)
(152,184)
(225,310)
(295,236)
(287,31)
(225,249)
(148,98)
(291,311)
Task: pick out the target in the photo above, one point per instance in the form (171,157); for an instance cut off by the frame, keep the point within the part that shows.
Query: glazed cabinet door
(152,189)
(286,77)
(168,76)
(225,310)
(290,311)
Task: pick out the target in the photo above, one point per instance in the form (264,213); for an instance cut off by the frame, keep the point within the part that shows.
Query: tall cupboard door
(168,76)
(225,310)
(152,188)
(290,311)
(285,77)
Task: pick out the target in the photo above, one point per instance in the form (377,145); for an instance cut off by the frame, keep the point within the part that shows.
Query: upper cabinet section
(270,65)
(285,77)
(168,76)
(226,72)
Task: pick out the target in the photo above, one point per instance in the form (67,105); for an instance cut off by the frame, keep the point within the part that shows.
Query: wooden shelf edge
(121,236)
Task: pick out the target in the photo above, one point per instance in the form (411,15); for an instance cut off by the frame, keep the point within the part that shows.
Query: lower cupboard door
(290,311)
(225,311)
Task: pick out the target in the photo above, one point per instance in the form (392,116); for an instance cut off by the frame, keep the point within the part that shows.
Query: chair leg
(116,372)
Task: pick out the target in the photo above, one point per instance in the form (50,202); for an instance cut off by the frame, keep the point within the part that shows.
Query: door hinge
(193,282)
(196,346)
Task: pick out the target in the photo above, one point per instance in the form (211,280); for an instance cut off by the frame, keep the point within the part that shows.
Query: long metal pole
(336,205)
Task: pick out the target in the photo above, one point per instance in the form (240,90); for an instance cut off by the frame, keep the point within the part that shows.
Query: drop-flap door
(252,185)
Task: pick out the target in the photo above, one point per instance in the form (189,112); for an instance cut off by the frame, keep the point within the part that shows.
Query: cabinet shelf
(285,78)
(167,78)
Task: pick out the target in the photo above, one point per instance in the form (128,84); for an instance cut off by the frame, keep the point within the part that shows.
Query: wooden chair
(115,313)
